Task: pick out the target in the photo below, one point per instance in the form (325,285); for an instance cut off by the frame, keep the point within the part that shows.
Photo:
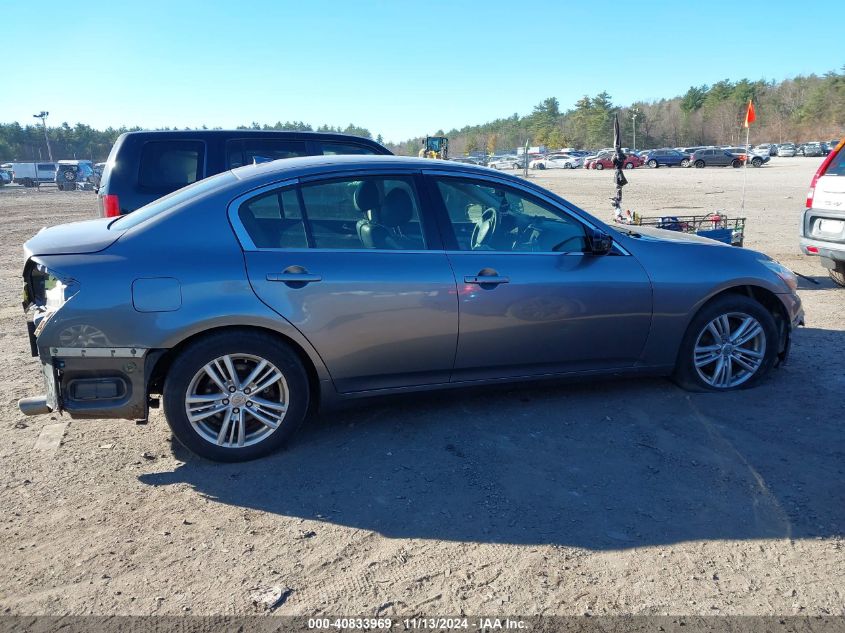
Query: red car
(605,161)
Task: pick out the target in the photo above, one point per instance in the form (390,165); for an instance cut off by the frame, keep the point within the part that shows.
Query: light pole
(43,116)
(634,114)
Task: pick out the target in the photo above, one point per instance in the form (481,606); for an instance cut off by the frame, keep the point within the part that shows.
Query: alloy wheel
(237,400)
(729,350)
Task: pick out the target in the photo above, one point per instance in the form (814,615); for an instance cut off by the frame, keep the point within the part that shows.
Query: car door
(352,265)
(531,299)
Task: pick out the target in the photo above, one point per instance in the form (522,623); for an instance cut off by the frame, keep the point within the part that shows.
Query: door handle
(294,275)
(486,279)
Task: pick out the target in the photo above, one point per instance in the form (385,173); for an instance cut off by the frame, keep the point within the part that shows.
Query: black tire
(699,163)
(629,165)
(599,166)
(494,167)
(686,374)
(653,164)
(515,166)
(567,166)
(757,162)
(28,183)
(540,166)
(196,355)
(685,162)
(838,274)
(736,163)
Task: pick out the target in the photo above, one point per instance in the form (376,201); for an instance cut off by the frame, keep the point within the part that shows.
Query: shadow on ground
(595,465)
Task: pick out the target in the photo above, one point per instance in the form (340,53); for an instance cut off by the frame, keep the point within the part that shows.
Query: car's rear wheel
(567,166)
(629,165)
(652,163)
(540,166)
(699,164)
(685,162)
(235,396)
(599,166)
(736,163)
(730,344)
(494,166)
(838,274)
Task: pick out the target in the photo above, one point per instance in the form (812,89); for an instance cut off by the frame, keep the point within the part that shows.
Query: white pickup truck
(30,174)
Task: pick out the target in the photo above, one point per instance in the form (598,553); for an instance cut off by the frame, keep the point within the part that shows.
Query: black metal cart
(717,226)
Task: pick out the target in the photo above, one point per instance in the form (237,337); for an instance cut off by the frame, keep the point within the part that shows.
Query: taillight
(111,207)
(821,171)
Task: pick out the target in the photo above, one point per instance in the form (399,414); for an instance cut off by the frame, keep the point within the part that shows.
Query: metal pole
(525,159)
(43,116)
(634,117)
(745,170)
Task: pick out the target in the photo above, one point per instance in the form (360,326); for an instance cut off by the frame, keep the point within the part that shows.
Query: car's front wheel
(599,166)
(757,162)
(235,396)
(730,344)
(652,163)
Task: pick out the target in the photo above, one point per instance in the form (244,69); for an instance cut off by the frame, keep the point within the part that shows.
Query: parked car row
(67,175)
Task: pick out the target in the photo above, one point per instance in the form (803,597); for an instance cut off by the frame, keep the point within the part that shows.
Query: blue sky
(400,68)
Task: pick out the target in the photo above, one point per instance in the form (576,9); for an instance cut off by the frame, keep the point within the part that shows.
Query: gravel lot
(609,498)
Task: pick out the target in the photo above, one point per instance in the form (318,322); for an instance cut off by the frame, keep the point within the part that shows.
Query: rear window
(46,167)
(240,152)
(169,165)
(176,198)
(836,167)
(346,148)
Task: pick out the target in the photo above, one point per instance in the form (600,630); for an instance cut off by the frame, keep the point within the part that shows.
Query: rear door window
(345,148)
(171,165)
(357,213)
(240,152)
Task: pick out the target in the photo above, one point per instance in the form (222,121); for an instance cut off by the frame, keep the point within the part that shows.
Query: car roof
(209,134)
(309,165)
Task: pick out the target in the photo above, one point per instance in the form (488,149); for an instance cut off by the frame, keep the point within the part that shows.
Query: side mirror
(599,242)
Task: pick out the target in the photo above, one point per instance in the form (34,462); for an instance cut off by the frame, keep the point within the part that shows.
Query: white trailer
(30,174)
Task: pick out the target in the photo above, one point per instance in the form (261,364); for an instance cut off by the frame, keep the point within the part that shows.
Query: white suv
(823,228)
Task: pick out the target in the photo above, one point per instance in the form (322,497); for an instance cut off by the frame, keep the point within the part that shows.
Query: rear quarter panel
(195,246)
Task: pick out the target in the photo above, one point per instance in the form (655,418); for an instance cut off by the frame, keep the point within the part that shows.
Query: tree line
(803,108)
(800,109)
(26,143)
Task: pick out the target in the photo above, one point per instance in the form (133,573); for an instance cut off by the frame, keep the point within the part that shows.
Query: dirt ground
(603,498)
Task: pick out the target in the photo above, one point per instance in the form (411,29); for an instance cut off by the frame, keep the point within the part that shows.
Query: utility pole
(634,114)
(43,116)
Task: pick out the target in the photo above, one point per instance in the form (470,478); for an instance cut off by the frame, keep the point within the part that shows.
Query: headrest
(366,196)
(398,208)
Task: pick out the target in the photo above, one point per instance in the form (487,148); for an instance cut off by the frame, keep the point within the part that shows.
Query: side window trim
(235,221)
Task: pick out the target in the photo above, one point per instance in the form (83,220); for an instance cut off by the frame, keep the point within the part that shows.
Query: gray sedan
(247,299)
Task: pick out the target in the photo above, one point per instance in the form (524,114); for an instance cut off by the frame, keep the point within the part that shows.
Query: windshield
(196,190)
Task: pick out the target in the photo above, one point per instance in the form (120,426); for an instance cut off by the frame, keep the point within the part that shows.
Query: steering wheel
(484,229)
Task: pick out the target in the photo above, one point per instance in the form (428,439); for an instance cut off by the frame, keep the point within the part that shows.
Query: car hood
(664,235)
(74,238)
